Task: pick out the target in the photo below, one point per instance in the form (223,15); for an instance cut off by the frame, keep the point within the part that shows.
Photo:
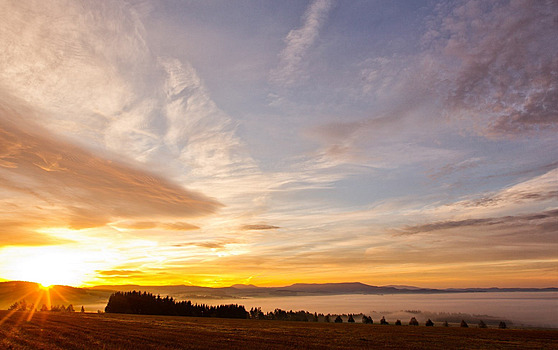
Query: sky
(270,142)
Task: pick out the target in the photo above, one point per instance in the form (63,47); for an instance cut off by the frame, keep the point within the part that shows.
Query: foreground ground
(46,330)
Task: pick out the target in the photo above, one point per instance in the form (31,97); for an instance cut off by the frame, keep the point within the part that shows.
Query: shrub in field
(367,320)
(14,306)
(326,319)
(446,324)
(502,325)
(21,306)
(82,309)
(429,323)
(351,319)
(383,321)
(464,324)
(413,322)
(338,319)
(482,324)
(398,323)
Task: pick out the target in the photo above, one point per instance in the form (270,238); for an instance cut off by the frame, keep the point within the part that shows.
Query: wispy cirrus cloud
(298,42)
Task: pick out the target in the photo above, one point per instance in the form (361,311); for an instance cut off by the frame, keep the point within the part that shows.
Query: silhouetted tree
(338,319)
(82,309)
(429,323)
(147,304)
(482,324)
(413,322)
(315,319)
(19,306)
(446,324)
(502,325)
(326,319)
(351,319)
(44,308)
(256,313)
(398,323)
(367,320)
(464,324)
(70,308)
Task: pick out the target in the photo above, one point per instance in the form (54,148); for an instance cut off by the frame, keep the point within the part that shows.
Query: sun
(47,266)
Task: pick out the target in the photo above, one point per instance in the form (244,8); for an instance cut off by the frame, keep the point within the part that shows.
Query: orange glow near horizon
(47,265)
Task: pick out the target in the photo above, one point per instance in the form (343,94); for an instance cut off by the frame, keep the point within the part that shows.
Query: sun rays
(42,302)
(49,265)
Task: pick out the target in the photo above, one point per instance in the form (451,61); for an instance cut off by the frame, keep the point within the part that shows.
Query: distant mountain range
(96,297)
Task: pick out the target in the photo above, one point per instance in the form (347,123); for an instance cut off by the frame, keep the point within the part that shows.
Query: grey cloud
(506,54)
(540,110)
(513,197)
(452,168)
(547,219)
(536,169)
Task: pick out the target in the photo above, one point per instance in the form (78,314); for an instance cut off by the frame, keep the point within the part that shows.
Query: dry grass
(103,331)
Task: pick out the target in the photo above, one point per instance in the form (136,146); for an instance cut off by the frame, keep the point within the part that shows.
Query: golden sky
(216,143)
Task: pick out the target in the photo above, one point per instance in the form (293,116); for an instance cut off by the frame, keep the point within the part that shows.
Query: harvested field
(47,330)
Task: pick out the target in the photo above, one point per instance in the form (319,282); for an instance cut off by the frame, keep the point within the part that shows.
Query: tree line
(144,303)
(137,302)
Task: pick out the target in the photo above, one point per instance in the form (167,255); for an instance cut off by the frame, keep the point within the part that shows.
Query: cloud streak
(298,42)
(259,227)
(546,220)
